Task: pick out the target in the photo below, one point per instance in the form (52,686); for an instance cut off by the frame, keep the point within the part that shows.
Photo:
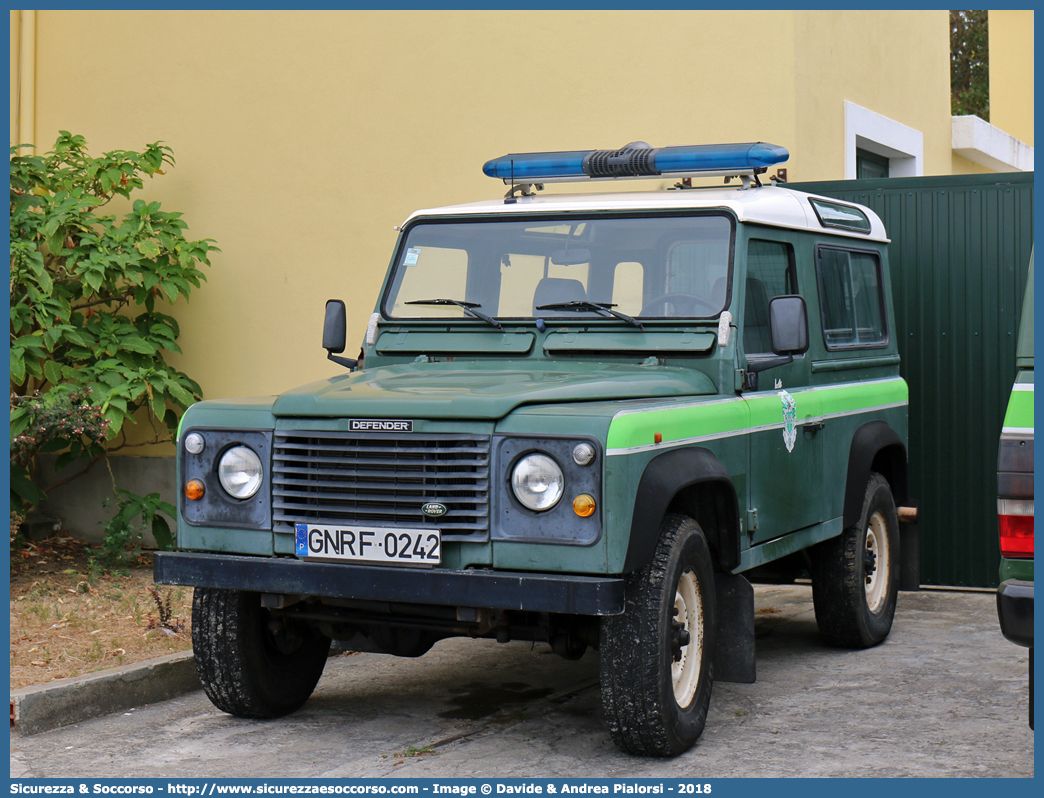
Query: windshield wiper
(602,308)
(468,307)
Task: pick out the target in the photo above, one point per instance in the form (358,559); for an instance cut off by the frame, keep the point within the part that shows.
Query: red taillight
(1016,528)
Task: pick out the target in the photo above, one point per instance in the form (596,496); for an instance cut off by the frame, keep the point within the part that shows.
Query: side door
(785,451)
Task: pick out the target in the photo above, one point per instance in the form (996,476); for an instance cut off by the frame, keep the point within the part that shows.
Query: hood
(482,389)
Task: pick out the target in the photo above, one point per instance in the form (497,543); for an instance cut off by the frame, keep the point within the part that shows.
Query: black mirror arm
(754,366)
(342,361)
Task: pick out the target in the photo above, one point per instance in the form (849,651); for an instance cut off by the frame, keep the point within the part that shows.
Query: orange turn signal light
(584,505)
(194,489)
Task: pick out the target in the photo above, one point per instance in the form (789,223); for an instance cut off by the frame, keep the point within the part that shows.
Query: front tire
(655,658)
(855,576)
(251,663)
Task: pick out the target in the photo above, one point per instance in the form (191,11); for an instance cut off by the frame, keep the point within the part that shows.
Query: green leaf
(18,425)
(17,368)
(30,342)
(72,374)
(76,336)
(53,372)
(111,377)
(56,243)
(23,488)
(178,393)
(64,459)
(116,419)
(51,336)
(34,368)
(158,404)
(135,344)
(161,532)
(149,248)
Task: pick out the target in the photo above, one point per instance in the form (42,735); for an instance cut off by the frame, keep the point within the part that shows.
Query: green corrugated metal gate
(959,256)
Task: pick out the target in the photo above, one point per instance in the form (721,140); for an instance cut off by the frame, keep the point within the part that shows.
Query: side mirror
(335,326)
(788,324)
(335,332)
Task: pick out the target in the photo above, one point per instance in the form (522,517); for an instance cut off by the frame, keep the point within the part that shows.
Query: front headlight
(240,472)
(538,482)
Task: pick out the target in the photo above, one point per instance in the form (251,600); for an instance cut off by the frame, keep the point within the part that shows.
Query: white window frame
(866,130)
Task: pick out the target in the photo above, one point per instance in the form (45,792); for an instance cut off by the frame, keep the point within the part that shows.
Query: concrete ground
(945,695)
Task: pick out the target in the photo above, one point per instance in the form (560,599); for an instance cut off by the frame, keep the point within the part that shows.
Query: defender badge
(789,420)
(433,509)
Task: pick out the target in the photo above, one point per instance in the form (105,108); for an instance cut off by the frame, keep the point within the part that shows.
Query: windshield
(647,267)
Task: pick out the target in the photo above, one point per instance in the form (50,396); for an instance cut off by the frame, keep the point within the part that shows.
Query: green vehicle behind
(1015,496)
(584,419)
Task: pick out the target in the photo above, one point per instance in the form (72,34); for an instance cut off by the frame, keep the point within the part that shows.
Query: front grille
(381,479)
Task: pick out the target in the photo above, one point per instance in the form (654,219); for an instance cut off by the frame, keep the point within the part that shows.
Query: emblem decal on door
(789,420)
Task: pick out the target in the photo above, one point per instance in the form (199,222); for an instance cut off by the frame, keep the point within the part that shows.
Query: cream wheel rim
(875,562)
(685,672)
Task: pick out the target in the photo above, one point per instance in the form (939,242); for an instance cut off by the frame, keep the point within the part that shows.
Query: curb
(67,701)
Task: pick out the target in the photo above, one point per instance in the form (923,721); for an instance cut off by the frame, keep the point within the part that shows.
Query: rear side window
(845,217)
(851,299)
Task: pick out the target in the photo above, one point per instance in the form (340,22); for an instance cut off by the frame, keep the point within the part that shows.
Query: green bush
(87,341)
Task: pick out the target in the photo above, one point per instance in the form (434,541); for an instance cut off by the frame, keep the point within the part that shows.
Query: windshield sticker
(411,256)
(789,420)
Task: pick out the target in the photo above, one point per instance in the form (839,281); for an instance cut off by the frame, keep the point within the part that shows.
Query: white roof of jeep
(768,205)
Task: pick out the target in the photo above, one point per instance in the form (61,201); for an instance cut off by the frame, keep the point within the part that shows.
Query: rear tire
(251,663)
(855,576)
(655,690)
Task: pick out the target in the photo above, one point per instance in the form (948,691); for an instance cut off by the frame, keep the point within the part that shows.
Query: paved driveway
(945,695)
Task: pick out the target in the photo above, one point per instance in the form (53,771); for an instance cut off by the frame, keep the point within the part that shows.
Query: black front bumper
(1015,610)
(507,590)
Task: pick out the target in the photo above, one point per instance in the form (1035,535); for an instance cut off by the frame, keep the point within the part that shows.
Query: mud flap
(910,551)
(734,655)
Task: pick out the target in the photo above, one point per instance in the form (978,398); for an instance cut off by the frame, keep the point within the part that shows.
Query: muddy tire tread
(236,676)
(837,586)
(632,683)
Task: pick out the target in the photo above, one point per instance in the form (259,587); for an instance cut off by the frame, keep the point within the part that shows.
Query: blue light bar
(637,159)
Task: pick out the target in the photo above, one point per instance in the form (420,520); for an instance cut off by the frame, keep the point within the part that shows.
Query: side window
(850,298)
(770,273)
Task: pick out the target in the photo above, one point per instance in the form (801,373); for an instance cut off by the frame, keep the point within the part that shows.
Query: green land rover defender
(586,419)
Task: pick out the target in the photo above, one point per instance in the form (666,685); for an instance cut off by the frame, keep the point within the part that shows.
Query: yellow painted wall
(963,166)
(303,138)
(895,63)
(1011,73)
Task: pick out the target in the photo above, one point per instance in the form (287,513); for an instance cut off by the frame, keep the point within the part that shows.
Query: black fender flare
(869,440)
(664,477)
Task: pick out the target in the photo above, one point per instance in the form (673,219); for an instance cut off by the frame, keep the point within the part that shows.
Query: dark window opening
(870,165)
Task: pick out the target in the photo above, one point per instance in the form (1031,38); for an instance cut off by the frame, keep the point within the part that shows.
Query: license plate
(369,544)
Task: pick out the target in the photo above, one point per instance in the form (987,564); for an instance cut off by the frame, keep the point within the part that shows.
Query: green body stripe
(719,417)
(639,429)
(1020,410)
